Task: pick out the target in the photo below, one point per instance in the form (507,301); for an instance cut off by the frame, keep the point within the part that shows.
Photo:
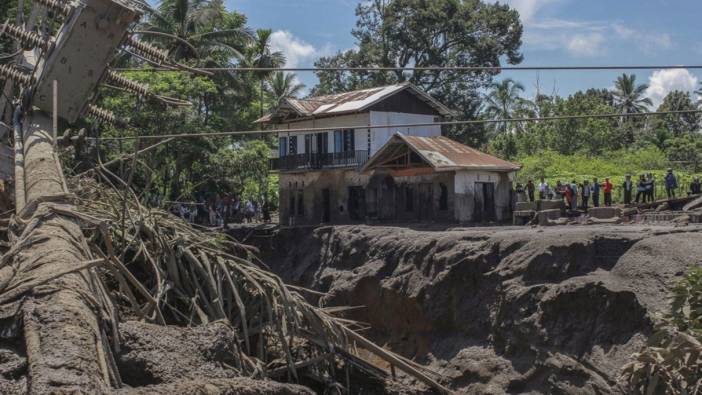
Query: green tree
(629,99)
(686,150)
(678,124)
(503,102)
(198,29)
(281,86)
(423,33)
(261,55)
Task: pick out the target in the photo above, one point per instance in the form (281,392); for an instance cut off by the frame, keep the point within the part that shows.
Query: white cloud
(645,41)
(662,82)
(297,52)
(586,44)
(528,8)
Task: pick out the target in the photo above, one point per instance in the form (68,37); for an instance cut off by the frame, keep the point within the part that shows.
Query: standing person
(586,194)
(249,211)
(671,184)
(519,191)
(628,187)
(568,194)
(595,192)
(212,213)
(695,187)
(650,188)
(543,189)
(530,190)
(607,189)
(641,190)
(574,198)
(559,190)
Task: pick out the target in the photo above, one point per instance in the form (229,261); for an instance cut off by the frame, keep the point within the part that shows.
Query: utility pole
(48,278)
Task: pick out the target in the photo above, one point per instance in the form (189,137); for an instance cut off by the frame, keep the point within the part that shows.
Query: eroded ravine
(495,310)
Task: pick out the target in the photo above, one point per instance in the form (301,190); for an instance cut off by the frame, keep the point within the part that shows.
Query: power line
(446,68)
(400,126)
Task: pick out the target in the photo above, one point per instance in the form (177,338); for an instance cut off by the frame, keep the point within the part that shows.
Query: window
(443,198)
(322,142)
(349,140)
(293,145)
(282,146)
(338,141)
(308,143)
(409,199)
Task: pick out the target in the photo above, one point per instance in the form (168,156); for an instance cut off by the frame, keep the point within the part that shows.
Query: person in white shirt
(543,189)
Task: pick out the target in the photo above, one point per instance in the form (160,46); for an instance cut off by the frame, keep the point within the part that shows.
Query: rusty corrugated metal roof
(350,102)
(444,154)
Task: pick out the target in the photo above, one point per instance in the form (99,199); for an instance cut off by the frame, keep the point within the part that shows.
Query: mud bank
(498,310)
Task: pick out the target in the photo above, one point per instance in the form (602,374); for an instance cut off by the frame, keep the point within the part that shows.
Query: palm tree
(504,101)
(261,55)
(191,29)
(629,97)
(698,92)
(281,86)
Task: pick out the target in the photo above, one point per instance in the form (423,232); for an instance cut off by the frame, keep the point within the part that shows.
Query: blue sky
(557,32)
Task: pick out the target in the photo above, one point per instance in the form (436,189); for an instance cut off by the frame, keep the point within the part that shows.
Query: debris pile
(182,308)
(681,211)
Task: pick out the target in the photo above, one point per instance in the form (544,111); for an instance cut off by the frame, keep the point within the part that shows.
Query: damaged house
(359,170)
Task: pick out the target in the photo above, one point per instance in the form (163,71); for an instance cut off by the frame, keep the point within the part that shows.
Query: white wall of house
(358,121)
(380,136)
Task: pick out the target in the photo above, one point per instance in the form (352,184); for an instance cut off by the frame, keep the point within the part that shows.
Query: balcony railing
(320,160)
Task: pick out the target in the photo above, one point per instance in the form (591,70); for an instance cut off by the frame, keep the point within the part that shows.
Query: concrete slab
(604,212)
(544,216)
(525,206)
(551,205)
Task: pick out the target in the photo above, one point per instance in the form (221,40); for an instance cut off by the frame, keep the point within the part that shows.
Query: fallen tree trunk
(64,333)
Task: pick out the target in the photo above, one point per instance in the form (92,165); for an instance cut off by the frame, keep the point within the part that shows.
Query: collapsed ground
(494,310)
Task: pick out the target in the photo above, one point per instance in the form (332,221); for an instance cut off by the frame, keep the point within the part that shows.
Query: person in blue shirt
(595,188)
(671,184)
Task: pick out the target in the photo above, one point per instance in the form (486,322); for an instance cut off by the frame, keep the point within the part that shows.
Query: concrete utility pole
(47,275)
(63,328)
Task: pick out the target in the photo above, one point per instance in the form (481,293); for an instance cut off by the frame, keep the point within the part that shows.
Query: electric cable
(407,125)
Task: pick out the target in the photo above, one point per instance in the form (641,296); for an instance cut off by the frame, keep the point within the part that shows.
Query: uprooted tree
(92,279)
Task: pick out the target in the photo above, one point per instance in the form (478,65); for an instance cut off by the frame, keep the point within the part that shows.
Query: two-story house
(322,173)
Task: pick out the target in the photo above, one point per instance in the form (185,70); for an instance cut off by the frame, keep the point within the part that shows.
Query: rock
(663,207)
(697,203)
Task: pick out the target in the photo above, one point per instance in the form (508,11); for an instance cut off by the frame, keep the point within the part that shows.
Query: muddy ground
(498,310)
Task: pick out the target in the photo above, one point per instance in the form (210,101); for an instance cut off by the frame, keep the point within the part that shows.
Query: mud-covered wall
(465,188)
(309,185)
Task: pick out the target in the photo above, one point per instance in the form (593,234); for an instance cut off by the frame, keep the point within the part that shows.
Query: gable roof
(350,102)
(441,153)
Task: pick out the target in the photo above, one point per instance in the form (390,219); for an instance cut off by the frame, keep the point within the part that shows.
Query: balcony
(315,161)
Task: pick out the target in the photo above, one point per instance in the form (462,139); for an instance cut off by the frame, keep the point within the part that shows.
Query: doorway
(484,208)
(357,203)
(426,202)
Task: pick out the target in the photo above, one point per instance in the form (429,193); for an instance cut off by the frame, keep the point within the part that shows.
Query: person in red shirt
(607,189)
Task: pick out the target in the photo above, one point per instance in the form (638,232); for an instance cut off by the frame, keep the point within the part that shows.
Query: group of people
(591,191)
(217,211)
